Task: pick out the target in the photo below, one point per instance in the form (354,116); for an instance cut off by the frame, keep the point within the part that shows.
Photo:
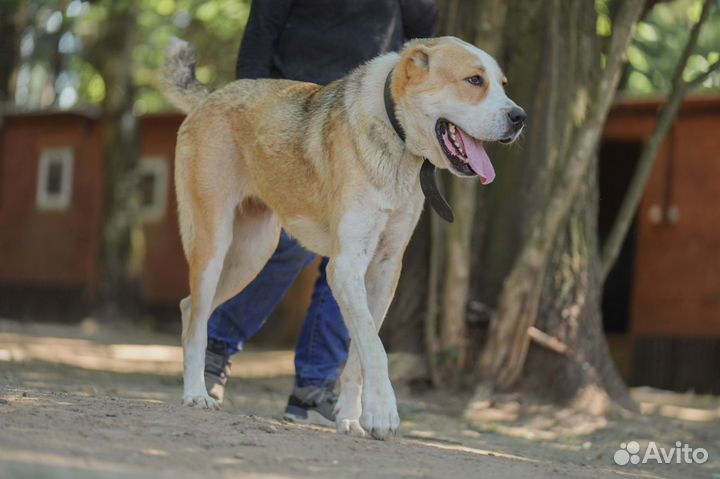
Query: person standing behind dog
(316,41)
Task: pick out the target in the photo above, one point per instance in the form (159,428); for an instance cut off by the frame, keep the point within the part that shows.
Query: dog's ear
(413,67)
(417,61)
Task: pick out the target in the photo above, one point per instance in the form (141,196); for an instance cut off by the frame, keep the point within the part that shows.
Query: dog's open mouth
(466,155)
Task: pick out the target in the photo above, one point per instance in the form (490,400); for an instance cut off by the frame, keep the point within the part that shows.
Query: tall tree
(111,54)
(533,245)
(544,197)
(553,282)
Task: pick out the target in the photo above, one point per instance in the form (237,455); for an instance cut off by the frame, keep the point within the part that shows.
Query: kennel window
(153,187)
(55,179)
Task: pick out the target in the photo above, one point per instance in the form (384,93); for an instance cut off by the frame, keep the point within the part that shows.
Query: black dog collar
(428,180)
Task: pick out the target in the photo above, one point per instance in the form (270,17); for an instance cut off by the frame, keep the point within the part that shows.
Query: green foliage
(58,35)
(215,27)
(659,41)
(604,24)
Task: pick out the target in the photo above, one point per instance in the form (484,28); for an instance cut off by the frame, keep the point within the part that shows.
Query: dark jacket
(321,40)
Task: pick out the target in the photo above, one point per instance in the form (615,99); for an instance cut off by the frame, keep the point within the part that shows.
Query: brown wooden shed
(164,273)
(50,202)
(665,290)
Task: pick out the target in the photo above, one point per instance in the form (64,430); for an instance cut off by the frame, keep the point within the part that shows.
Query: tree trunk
(9,51)
(482,24)
(533,247)
(583,376)
(541,226)
(112,56)
(403,331)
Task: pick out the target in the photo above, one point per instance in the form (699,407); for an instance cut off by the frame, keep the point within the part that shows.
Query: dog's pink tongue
(478,158)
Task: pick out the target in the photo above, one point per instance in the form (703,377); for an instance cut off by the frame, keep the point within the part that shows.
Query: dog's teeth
(459,147)
(452,127)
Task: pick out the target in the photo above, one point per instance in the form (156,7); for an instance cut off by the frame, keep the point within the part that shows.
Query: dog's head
(451,100)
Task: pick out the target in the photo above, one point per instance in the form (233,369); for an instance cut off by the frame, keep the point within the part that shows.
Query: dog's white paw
(380,423)
(351,427)
(348,406)
(200,401)
(380,416)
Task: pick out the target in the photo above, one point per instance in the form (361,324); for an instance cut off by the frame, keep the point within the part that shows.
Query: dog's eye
(504,81)
(476,80)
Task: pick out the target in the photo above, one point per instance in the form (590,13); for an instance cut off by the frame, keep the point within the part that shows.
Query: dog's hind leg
(349,405)
(206,256)
(244,242)
(255,237)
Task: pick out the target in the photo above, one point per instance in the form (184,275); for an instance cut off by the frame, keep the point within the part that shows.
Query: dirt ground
(90,401)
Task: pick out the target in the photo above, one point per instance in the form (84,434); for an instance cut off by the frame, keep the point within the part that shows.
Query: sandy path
(81,402)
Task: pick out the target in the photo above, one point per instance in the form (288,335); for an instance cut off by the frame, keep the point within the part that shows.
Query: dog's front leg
(380,281)
(346,274)
(379,410)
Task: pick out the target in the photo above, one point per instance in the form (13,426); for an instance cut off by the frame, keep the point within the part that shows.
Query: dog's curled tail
(179,83)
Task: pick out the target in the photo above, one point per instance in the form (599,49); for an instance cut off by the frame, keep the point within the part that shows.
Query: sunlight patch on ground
(39,458)
(678,412)
(686,407)
(155,452)
(130,358)
(471,450)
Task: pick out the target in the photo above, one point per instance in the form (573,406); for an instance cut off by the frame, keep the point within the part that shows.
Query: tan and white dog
(326,164)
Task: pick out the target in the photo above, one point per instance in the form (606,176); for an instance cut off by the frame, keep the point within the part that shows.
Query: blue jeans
(324,339)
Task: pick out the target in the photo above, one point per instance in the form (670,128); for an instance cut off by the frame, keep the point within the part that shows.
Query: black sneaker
(217,369)
(312,405)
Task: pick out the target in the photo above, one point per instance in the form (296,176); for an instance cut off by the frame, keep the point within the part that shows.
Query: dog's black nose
(517,116)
